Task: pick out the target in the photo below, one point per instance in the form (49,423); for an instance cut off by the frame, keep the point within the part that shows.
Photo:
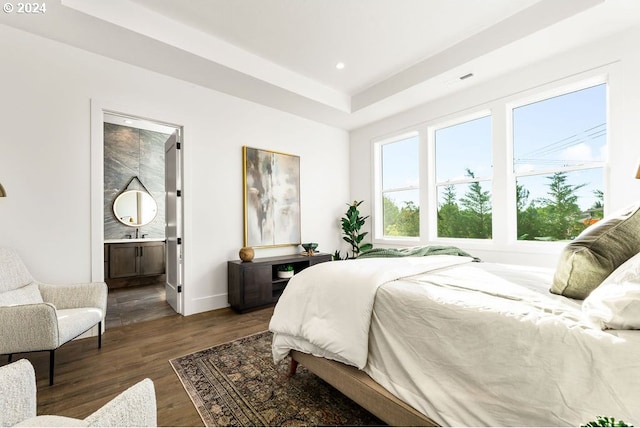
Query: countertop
(126,240)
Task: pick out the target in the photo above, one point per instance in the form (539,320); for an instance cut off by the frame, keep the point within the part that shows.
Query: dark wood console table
(255,284)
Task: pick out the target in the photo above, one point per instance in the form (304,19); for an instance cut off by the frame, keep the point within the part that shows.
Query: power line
(567,142)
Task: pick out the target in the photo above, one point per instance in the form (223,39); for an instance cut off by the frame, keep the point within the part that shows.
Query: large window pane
(567,130)
(464,211)
(558,206)
(462,147)
(400,184)
(400,164)
(463,174)
(401,213)
(559,148)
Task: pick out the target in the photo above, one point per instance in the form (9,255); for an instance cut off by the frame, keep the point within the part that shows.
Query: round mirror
(135,208)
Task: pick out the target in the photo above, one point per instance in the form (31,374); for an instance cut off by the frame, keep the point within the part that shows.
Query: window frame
(503,189)
(512,175)
(378,172)
(454,120)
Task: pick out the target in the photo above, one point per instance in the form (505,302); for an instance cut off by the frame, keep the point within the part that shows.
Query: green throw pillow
(589,259)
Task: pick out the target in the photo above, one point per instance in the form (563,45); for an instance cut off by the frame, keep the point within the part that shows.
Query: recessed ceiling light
(128,122)
(340,65)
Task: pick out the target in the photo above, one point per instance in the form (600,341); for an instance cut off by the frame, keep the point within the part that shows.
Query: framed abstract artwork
(271,198)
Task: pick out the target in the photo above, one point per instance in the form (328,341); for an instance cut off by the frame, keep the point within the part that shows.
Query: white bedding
(330,305)
(481,344)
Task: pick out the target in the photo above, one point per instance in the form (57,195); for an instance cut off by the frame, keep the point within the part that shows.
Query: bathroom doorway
(134,218)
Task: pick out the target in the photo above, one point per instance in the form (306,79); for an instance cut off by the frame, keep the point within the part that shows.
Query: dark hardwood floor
(87,377)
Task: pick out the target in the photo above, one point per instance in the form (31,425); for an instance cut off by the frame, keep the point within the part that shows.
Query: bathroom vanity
(131,262)
(135,258)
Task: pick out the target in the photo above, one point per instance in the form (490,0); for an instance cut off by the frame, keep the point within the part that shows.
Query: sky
(564,131)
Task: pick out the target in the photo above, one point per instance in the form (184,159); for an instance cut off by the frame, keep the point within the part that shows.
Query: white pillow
(615,304)
(21,296)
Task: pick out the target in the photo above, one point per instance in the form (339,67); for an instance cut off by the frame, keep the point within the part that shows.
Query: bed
(460,343)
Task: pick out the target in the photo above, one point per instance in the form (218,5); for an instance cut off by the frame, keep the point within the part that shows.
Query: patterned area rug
(237,384)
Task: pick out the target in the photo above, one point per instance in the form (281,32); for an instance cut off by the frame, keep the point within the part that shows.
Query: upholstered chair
(135,407)
(35,316)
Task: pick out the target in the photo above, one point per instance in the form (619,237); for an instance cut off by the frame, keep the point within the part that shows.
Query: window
(547,183)
(559,147)
(399,196)
(463,163)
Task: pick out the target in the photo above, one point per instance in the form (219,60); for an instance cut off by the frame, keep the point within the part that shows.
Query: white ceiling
(374,38)
(282,53)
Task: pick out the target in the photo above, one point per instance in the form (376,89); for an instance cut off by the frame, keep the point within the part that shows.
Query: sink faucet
(137,230)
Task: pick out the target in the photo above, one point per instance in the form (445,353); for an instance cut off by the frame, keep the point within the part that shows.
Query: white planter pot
(285,274)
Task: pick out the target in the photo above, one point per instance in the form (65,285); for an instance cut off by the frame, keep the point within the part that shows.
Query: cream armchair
(135,407)
(42,317)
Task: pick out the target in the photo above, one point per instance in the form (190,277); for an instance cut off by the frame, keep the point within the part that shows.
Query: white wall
(45,161)
(616,58)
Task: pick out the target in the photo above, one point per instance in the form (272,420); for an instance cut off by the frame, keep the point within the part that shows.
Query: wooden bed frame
(359,387)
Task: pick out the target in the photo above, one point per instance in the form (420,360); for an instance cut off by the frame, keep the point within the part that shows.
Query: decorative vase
(310,248)
(246,254)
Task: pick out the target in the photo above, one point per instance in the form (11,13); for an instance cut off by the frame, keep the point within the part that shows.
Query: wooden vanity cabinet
(136,259)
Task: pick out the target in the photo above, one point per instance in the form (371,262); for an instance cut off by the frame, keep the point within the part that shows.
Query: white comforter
(475,344)
(329,306)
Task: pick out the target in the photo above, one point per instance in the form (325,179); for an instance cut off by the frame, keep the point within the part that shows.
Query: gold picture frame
(271,183)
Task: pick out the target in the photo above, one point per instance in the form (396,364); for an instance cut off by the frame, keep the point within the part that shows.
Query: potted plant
(352,222)
(285,271)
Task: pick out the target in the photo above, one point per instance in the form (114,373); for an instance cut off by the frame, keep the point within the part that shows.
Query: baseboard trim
(206,303)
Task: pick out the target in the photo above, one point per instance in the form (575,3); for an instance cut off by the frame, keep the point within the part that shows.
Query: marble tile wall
(130,152)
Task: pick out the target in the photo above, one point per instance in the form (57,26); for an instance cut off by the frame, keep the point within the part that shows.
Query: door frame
(98,109)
